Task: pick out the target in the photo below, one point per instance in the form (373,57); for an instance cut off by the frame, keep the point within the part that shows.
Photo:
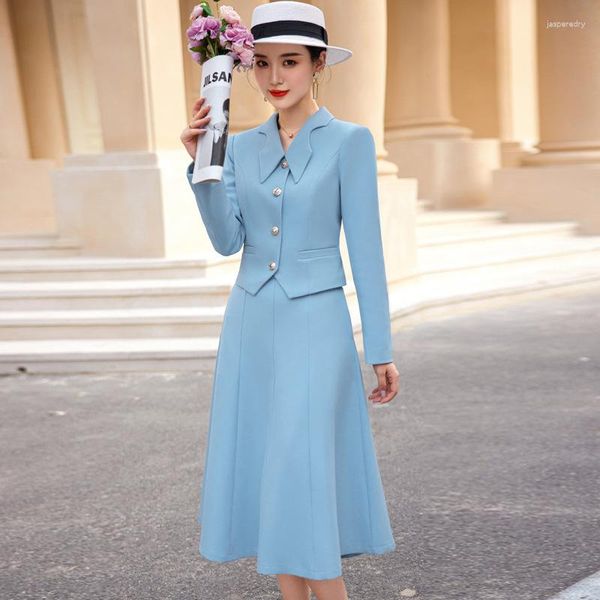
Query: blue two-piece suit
(290,473)
(288,218)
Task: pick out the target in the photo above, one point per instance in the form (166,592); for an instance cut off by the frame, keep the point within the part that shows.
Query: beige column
(354,90)
(423,137)
(561,182)
(419,73)
(30,119)
(517,96)
(131,198)
(569,82)
(137,61)
(14,141)
(493,89)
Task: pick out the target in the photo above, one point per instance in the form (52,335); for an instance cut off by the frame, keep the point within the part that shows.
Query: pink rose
(229,15)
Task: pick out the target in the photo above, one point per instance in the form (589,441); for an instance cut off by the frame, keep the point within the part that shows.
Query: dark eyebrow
(284,54)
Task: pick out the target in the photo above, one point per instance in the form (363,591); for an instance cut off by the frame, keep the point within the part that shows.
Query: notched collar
(298,153)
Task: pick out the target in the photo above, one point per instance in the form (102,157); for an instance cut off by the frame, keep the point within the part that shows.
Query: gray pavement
(489,458)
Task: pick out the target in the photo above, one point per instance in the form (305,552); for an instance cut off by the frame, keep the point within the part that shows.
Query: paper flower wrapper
(215,86)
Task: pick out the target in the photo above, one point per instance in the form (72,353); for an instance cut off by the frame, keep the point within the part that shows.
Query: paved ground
(489,458)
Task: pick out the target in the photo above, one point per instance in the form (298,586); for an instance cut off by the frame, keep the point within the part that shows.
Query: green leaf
(206,8)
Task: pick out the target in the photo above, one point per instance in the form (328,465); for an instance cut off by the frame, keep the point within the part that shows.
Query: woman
(291,475)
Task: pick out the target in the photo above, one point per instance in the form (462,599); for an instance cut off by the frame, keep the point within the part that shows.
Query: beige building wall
(465,100)
(494,89)
(561,179)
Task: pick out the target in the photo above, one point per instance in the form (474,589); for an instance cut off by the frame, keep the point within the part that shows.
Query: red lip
(277,93)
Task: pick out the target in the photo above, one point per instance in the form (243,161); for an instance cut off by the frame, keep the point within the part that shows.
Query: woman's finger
(194,123)
(203,110)
(198,103)
(390,388)
(376,392)
(391,392)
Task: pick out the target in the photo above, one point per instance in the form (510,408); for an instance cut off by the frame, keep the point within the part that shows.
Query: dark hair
(315,52)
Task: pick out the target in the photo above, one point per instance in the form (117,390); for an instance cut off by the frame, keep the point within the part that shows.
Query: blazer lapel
(298,153)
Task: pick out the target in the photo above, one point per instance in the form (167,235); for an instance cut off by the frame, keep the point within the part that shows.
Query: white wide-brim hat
(289,22)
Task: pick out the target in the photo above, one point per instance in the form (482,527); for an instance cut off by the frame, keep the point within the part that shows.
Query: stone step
(107,355)
(113,294)
(71,314)
(441,221)
(440,292)
(37,246)
(493,233)
(111,323)
(92,268)
(464,257)
(443,290)
(196,292)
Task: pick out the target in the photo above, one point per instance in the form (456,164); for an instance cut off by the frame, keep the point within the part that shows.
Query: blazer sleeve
(219,207)
(362,230)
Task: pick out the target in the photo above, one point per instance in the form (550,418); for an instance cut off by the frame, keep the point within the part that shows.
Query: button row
(275,230)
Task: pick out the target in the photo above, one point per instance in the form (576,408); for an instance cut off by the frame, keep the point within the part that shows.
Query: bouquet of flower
(219,44)
(210,36)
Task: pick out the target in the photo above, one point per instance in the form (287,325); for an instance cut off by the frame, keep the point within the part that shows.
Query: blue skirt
(290,474)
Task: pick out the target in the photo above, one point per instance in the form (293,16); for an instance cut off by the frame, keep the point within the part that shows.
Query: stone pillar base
(550,193)
(398,215)
(129,204)
(452,173)
(27,206)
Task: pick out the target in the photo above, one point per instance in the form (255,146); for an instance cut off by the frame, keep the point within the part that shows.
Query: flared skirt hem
(267,568)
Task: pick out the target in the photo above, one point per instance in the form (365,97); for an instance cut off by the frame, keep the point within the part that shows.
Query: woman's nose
(275,79)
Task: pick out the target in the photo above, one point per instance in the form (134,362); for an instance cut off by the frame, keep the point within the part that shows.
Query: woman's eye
(260,63)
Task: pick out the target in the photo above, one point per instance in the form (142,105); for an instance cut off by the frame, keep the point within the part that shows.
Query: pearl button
(277,191)
(272,265)
(284,164)
(275,230)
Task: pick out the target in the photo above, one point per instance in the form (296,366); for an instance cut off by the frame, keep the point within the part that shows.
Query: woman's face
(284,67)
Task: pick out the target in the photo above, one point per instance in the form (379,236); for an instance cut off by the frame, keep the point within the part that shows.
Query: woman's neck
(292,119)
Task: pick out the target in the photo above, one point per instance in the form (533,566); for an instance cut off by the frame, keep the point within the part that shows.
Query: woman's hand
(388,382)
(189,136)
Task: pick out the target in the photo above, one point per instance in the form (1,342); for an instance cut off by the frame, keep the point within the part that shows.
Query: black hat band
(290,27)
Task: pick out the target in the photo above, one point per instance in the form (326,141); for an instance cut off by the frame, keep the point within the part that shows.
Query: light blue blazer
(285,209)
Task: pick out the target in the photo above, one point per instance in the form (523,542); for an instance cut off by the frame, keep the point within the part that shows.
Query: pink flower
(196,12)
(236,34)
(213,26)
(203,26)
(209,36)
(229,15)
(246,55)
